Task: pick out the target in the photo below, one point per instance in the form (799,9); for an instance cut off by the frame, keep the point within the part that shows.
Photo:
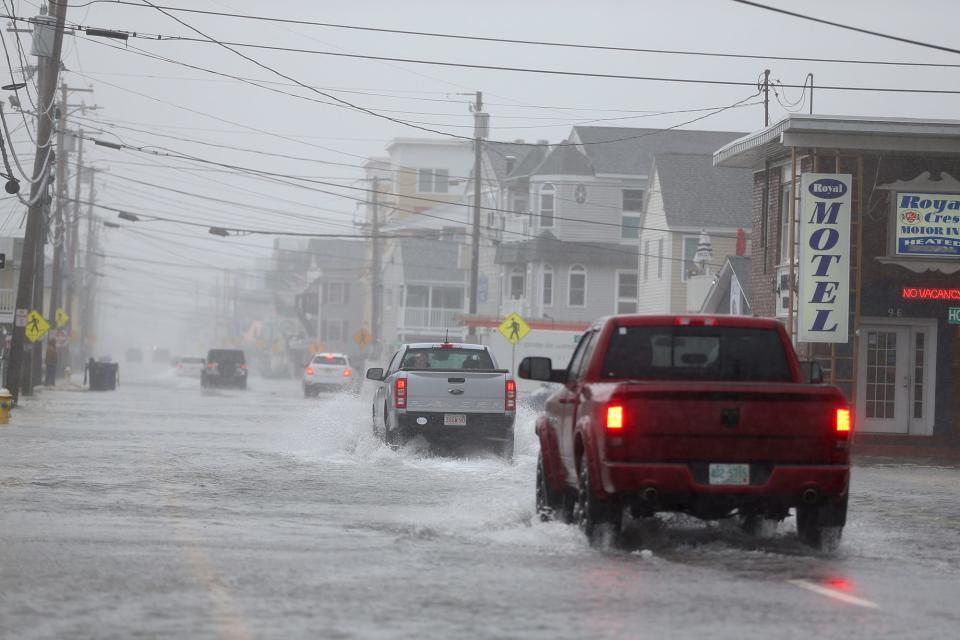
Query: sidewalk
(906,449)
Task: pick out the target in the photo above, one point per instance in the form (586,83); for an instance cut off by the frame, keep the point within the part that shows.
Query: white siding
(655,279)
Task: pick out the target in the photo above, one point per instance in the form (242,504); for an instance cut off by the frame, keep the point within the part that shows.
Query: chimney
(511,163)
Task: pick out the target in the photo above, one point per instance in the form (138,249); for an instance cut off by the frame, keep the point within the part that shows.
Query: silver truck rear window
(437,358)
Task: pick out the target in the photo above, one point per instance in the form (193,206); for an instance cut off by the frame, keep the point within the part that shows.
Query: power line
(568,45)
(848,28)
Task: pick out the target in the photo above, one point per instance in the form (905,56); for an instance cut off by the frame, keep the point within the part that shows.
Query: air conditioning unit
(781,288)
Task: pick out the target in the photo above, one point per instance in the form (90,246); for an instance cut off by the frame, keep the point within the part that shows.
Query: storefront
(889,268)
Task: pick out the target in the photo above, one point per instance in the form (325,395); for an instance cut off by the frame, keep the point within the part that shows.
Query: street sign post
(20,317)
(37,326)
(514,329)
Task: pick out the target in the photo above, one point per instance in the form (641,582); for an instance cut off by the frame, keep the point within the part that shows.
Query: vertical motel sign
(824,261)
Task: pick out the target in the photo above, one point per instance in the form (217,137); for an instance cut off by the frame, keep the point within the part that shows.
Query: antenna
(446,334)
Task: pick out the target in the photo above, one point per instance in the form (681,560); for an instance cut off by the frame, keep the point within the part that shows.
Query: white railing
(419,318)
(8,300)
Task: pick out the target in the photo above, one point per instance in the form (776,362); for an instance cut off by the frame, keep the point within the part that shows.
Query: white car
(190,367)
(327,371)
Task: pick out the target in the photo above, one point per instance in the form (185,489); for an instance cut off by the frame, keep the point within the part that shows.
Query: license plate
(730,474)
(455,419)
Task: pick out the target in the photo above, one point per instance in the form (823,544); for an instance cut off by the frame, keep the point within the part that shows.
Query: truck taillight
(400,393)
(211,366)
(844,421)
(309,371)
(614,417)
(510,396)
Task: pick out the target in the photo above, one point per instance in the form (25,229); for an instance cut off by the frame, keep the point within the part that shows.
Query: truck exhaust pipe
(650,494)
(810,496)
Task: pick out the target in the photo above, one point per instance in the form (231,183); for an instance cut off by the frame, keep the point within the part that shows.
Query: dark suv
(225,368)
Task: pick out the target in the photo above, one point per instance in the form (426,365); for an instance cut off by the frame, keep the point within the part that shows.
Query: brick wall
(764,250)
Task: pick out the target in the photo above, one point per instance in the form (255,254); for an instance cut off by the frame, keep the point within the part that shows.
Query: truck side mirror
(536,368)
(811,372)
(375,373)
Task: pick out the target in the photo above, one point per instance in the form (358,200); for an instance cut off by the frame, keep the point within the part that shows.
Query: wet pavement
(161,511)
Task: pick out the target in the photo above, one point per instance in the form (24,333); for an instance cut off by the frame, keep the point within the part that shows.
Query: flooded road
(161,511)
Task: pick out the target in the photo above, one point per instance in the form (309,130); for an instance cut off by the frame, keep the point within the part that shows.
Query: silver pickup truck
(448,393)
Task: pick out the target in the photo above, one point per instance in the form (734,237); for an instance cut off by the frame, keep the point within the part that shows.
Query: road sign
(363,338)
(37,326)
(62,318)
(953,315)
(513,328)
(20,317)
(62,337)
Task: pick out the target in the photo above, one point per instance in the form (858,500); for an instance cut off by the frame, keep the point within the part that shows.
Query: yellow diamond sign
(36,327)
(62,318)
(513,328)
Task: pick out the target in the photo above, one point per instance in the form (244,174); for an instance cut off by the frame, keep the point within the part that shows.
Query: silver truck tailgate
(456,391)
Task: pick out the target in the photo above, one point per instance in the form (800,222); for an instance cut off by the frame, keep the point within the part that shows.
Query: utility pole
(73,231)
(480,125)
(48,69)
(376,311)
(766,97)
(86,302)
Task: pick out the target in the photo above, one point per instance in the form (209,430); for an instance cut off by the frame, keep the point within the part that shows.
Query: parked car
(709,416)
(327,371)
(225,368)
(189,367)
(448,393)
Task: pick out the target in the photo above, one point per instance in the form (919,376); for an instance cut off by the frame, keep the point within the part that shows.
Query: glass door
(886,379)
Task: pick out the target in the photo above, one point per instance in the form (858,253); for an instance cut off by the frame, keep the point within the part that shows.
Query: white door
(895,386)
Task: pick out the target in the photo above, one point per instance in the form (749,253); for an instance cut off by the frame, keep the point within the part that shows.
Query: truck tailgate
(456,391)
(722,422)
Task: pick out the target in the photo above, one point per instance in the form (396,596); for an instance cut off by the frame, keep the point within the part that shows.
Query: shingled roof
(635,155)
(698,194)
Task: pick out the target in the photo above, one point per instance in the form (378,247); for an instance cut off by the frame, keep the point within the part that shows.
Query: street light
(219,231)
(131,217)
(111,225)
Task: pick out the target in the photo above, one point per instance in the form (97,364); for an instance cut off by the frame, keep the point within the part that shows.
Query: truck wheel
(590,514)
(816,528)
(392,437)
(505,448)
(547,500)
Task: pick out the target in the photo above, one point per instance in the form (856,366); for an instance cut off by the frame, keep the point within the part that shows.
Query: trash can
(103,376)
(6,406)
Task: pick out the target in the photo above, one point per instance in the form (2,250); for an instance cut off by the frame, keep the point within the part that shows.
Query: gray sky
(521,105)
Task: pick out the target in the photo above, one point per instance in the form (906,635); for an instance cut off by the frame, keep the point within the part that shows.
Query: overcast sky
(142,99)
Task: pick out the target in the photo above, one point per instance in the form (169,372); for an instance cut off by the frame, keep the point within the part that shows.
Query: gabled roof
(698,194)
(741,268)
(565,160)
(635,156)
(718,298)
(497,153)
(530,162)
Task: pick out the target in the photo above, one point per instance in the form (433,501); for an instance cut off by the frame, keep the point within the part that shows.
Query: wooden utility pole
(89,272)
(48,69)
(73,231)
(766,97)
(376,293)
(479,131)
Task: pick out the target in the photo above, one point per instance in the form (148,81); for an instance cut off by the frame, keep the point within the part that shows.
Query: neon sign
(929,293)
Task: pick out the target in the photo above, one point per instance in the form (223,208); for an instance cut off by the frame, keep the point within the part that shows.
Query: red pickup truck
(712,416)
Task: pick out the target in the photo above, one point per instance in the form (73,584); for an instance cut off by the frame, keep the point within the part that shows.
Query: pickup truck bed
(701,415)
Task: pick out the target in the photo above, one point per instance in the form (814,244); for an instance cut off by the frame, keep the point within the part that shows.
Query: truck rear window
(436,358)
(696,353)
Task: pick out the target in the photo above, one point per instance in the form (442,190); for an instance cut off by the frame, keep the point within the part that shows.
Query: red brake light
(309,371)
(614,417)
(510,396)
(844,422)
(329,356)
(695,322)
(446,345)
(347,373)
(400,393)
(210,365)
(243,366)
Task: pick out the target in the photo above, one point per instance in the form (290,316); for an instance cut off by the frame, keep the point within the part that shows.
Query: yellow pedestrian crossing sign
(36,327)
(513,328)
(62,318)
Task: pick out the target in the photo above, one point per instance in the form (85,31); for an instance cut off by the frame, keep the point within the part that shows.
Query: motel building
(868,274)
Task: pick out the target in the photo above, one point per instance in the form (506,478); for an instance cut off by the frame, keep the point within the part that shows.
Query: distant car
(327,371)
(225,368)
(190,367)
(134,355)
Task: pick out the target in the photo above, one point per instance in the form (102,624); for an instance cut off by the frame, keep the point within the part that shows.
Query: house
(335,273)
(12,249)
(879,303)
(688,198)
(730,290)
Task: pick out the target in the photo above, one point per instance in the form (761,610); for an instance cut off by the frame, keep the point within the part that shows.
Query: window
(547,201)
(627,291)
(520,206)
(576,361)
(660,259)
(334,331)
(447,359)
(632,209)
(418,296)
(516,283)
(334,293)
(646,259)
(689,253)
(547,291)
(446,298)
(577,287)
(785,225)
(433,180)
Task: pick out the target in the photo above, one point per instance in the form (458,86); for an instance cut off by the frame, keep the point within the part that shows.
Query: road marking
(833,593)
